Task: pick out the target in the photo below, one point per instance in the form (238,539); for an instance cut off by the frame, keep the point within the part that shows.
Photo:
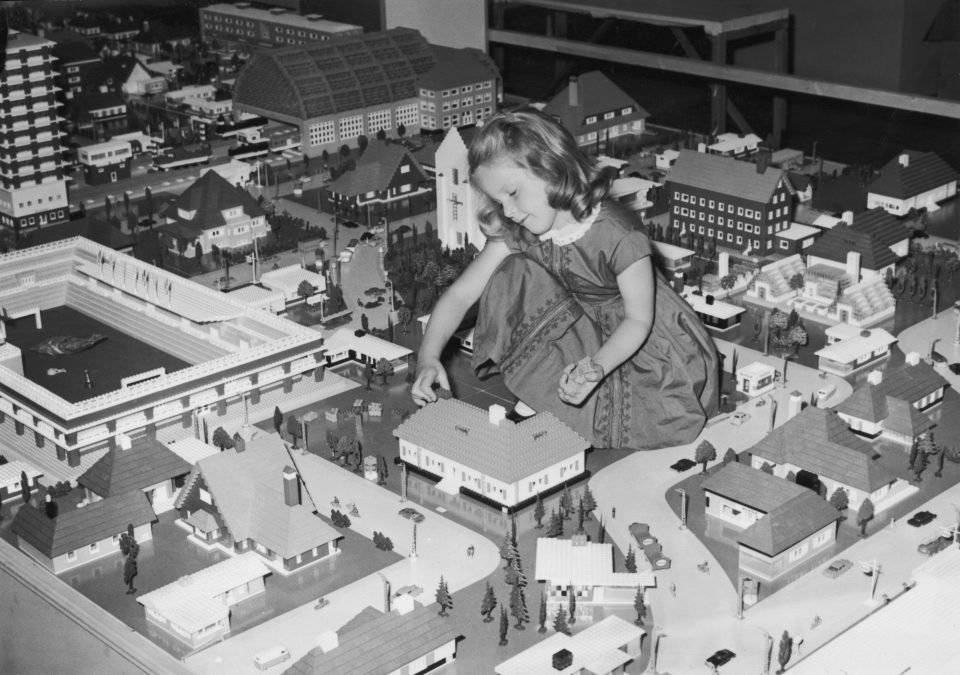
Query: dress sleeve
(632,246)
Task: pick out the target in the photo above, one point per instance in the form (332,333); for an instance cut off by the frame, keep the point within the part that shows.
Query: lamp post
(872,568)
(656,651)
(767,652)
(304,421)
(683,507)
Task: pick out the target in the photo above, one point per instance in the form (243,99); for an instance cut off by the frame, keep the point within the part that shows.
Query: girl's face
(521,194)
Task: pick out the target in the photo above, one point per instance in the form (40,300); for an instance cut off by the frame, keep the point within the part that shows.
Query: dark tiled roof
(789,524)
(73,51)
(911,382)
(725,175)
(94,229)
(377,169)
(506,451)
(865,403)
(597,94)
(82,526)
(752,487)
(905,419)
(456,67)
(881,225)
(817,440)
(837,242)
(209,196)
(345,74)
(146,463)
(97,100)
(924,171)
(381,644)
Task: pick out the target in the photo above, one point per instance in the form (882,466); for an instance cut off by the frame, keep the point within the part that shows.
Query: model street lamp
(304,421)
(872,569)
(767,652)
(656,650)
(683,508)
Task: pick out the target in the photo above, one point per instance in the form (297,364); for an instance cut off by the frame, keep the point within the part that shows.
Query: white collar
(572,232)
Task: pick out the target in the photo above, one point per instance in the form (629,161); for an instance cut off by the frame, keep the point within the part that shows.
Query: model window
(739,240)
(71,556)
(608,115)
(710,218)
(784,244)
(703,202)
(94,547)
(710,203)
(719,220)
(710,232)
(702,215)
(739,210)
(591,120)
(676,209)
(626,111)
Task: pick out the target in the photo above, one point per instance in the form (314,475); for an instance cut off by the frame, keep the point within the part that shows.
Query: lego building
(105,162)
(740,204)
(336,91)
(181,357)
(33,187)
(596,111)
(457,223)
(242,26)
(912,180)
(482,453)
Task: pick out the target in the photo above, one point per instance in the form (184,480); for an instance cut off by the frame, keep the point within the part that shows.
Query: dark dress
(551,304)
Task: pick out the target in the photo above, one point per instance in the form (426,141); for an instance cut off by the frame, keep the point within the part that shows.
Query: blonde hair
(539,143)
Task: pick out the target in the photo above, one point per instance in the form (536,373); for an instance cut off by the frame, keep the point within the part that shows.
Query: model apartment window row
(592,119)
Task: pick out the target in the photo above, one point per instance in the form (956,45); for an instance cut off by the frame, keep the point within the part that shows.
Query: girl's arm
(638,288)
(446,317)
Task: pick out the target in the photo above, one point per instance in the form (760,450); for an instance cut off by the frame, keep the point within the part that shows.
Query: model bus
(178,158)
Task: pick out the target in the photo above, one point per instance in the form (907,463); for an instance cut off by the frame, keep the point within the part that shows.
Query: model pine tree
(555,528)
(589,503)
(131,549)
(865,515)
(840,499)
(573,605)
(222,439)
(538,512)
(640,606)
(786,649)
(504,625)
(515,574)
(542,618)
(508,551)
(488,604)
(630,563)
(518,606)
(443,596)
(581,514)
(566,503)
(560,621)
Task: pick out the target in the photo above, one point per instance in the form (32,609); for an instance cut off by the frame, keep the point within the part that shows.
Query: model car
(720,657)
(921,518)
(411,514)
(837,567)
(934,545)
(954,368)
(682,465)
(739,418)
(760,403)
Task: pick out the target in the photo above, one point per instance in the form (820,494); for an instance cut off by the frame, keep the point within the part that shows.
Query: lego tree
(840,499)
(581,514)
(518,606)
(589,502)
(865,515)
(640,606)
(384,370)
(508,549)
(293,428)
(542,618)
(572,595)
(730,456)
(24,487)
(222,439)
(504,625)
(538,512)
(277,419)
(560,621)
(919,464)
(630,563)
(555,528)
(515,576)
(786,649)
(488,604)
(444,599)
(131,549)
(704,453)
(566,503)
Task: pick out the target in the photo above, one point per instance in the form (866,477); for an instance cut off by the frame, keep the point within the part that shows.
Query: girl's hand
(579,379)
(429,372)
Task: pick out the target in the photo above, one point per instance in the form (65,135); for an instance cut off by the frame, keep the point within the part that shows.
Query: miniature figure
(518,160)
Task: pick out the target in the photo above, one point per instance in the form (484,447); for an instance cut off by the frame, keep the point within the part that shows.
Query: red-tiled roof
(924,171)
(817,440)
(834,245)
(80,527)
(789,524)
(146,463)
(751,487)
(725,176)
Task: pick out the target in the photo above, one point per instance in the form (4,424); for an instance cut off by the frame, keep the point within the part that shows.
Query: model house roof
(596,95)
(599,648)
(87,102)
(789,524)
(817,440)
(757,489)
(836,243)
(882,226)
(146,463)
(377,169)
(866,403)
(80,527)
(207,198)
(911,381)
(582,563)
(371,345)
(912,173)
(194,601)
(335,76)
(380,643)
(905,419)
(860,343)
(725,176)
(74,51)
(506,451)
(456,67)
(247,488)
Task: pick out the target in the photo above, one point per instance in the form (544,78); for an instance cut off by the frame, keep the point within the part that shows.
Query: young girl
(571,309)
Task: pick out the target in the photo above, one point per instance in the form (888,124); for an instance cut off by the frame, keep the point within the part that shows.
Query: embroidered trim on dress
(569,234)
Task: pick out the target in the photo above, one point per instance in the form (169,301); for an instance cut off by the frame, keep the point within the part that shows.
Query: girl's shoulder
(617,222)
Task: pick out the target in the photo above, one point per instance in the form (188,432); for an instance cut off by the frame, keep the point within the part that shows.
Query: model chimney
(853,266)
(763,161)
(794,404)
(904,160)
(578,539)
(404,604)
(875,377)
(573,89)
(497,414)
(291,487)
(912,358)
(124,442)
(847,217)
(328,640)
(723,264)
